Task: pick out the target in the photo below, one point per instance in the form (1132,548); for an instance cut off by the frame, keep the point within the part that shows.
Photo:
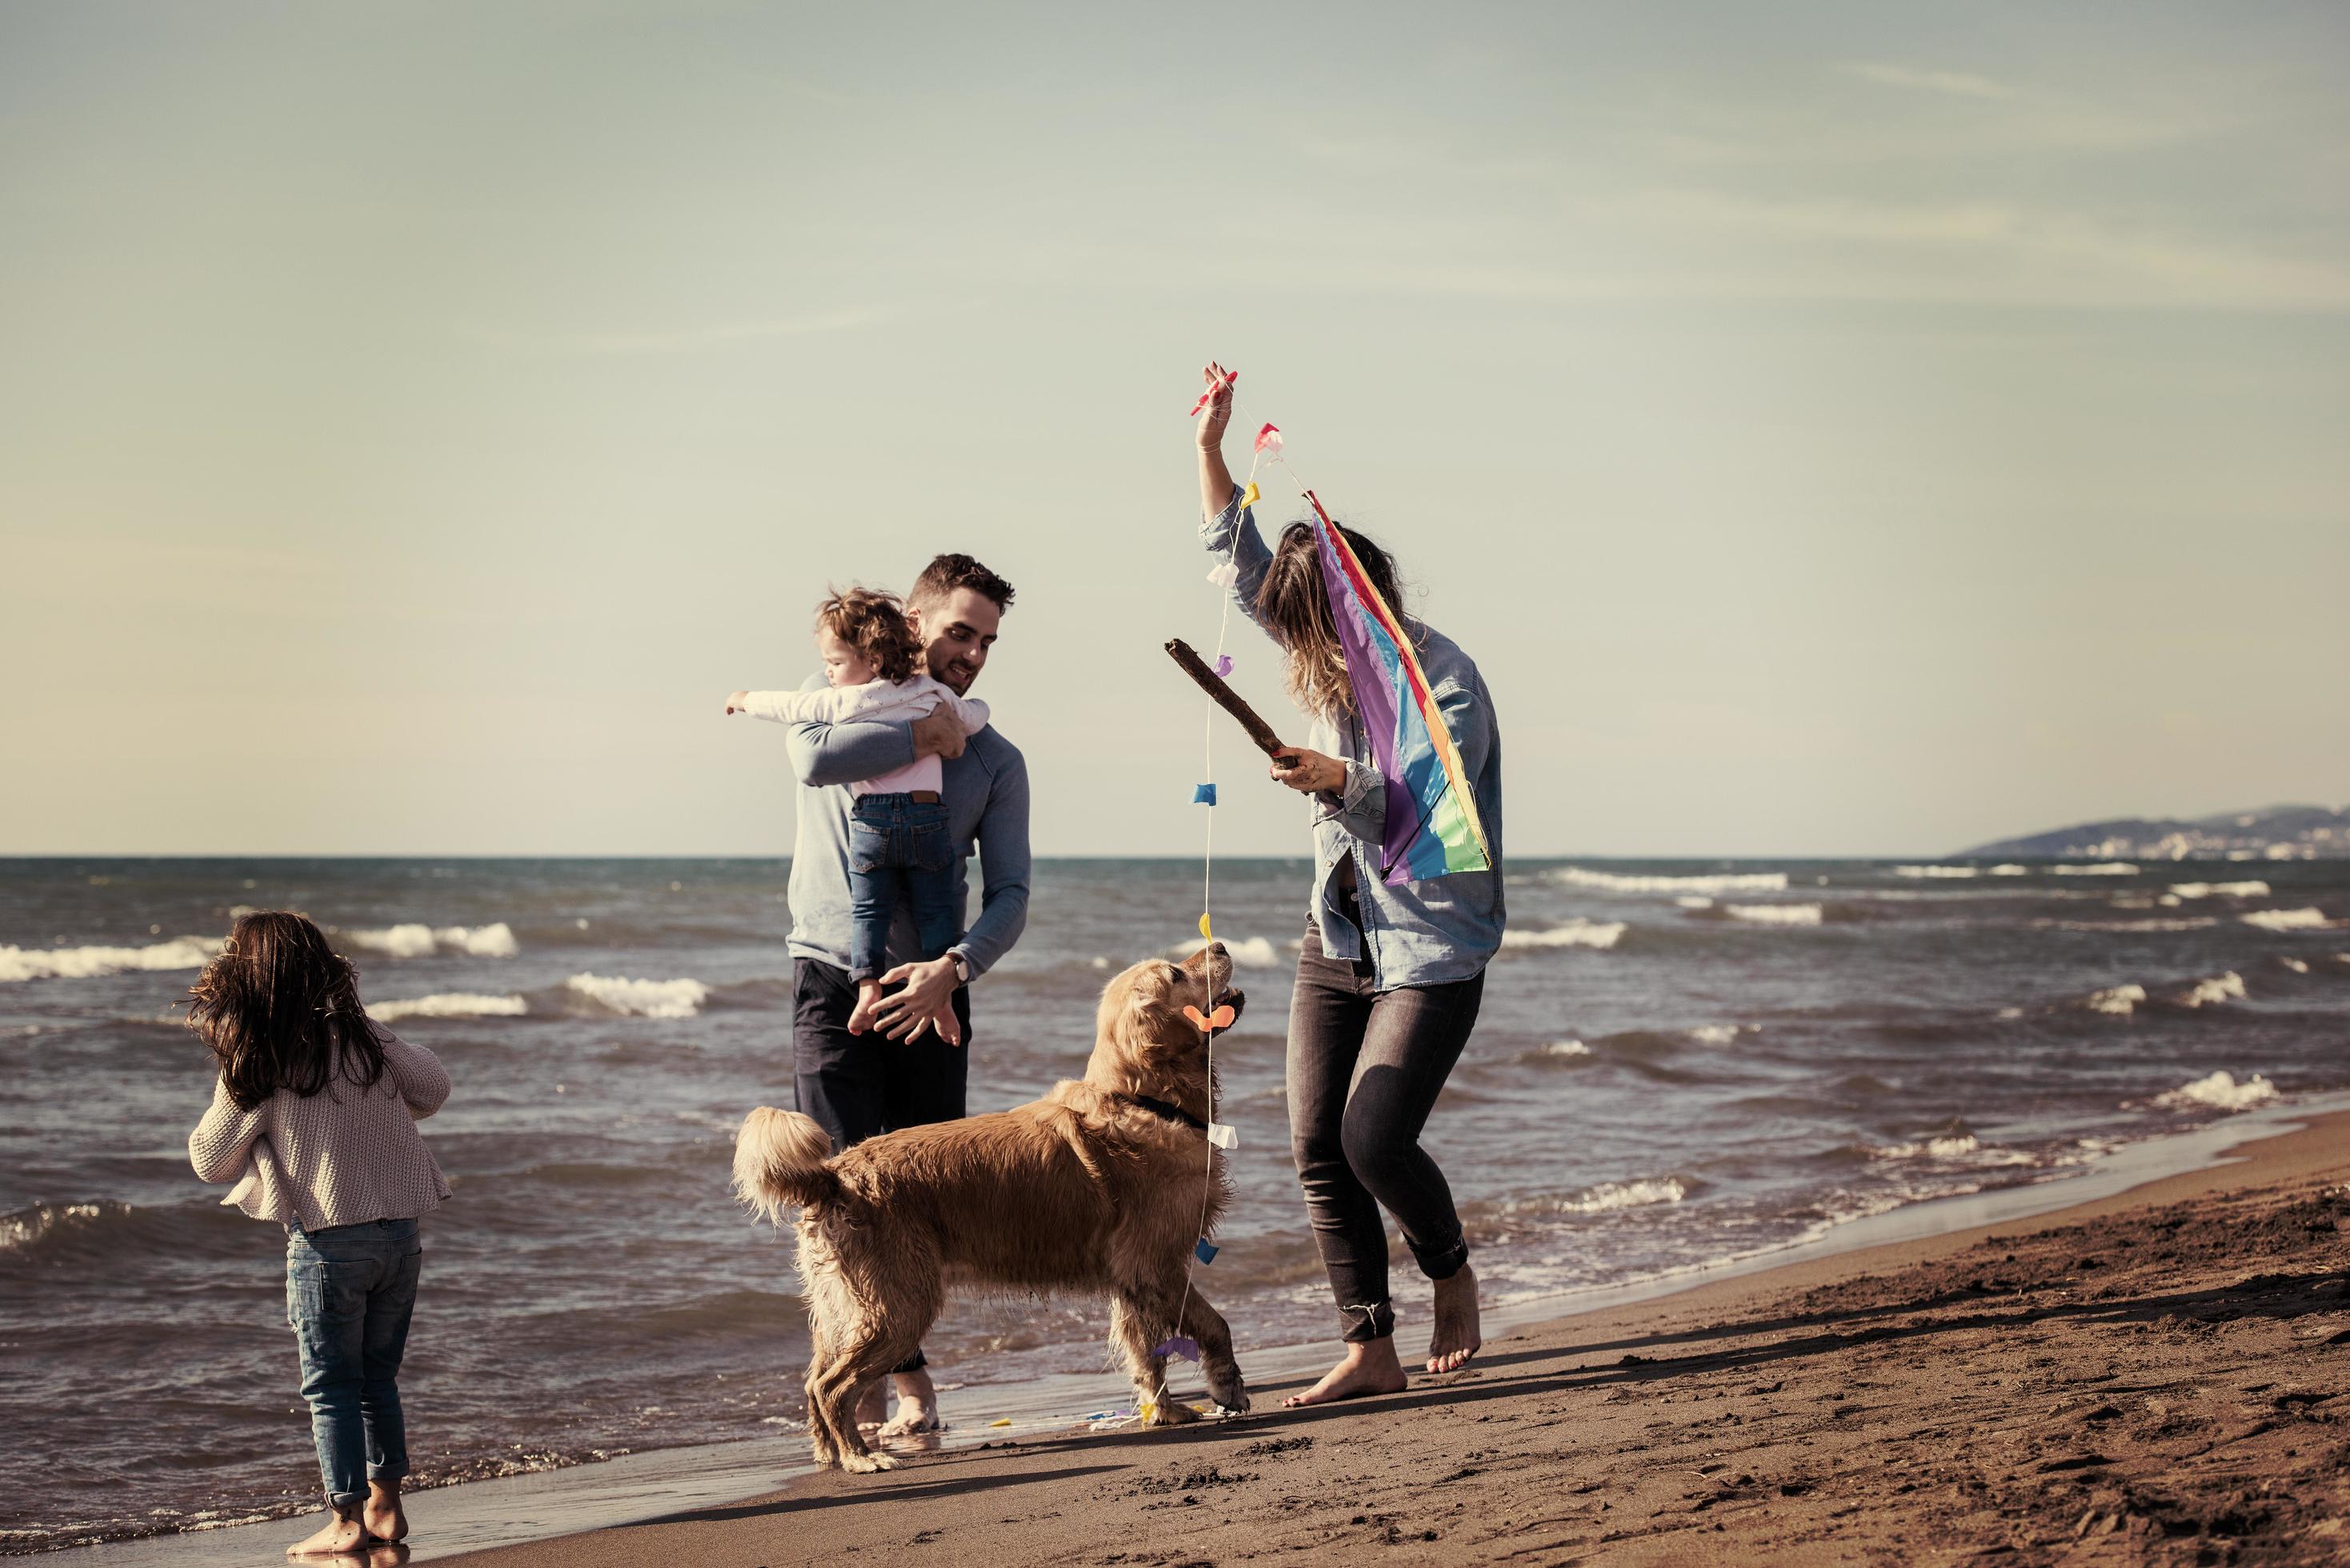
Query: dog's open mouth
(1234,999)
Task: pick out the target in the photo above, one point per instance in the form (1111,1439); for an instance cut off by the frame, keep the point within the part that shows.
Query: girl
(314,1117)
(1391,975)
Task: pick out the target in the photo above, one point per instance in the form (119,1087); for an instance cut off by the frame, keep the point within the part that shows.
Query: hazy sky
(1836,429)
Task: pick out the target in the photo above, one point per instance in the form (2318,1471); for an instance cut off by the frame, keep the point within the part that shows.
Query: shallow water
(1656,1083)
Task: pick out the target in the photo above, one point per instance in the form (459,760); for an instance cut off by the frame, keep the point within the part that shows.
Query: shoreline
(515,1518)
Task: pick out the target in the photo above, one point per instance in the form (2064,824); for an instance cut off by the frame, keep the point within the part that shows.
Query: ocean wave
(1962,1147)
(1694,901)
(91,962)
(2298,966)
(418,940)
(2309,919)
(1719,882)
(2220,890)
(1575,933)
(2152,923)
(1774,914)
(2221,1091)
(449,1004)
(1566,1048)
(1722,1033)
(2117,999)
(642,997)
(23,1228)
(2228,987)
(1609,1197)
(1959,873)
(1249,952)
(2102,869)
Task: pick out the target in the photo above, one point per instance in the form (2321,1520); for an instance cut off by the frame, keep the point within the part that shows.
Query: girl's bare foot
(1455,1339)
(918,1406)
(381,1513)
(868,999)
(1370,1368)
(336,1538)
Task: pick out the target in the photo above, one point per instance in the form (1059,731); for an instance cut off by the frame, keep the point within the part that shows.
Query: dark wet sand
(2161,1376)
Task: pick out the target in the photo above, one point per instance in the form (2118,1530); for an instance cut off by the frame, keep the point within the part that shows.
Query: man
(909,1070)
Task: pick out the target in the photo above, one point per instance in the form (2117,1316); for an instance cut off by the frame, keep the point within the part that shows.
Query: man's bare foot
(918,1406)
(381,1513)
(336,1538)
(1455,1339)
(1367,1368)
(868,1000)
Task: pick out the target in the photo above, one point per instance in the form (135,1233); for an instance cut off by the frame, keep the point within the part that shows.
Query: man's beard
(955,678)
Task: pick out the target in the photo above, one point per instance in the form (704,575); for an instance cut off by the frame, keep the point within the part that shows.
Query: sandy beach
(2149,1377)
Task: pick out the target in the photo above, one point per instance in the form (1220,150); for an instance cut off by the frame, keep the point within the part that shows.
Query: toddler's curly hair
(873,623)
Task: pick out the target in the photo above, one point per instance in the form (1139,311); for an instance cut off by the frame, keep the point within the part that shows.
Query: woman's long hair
(280,1010)
(1294,602)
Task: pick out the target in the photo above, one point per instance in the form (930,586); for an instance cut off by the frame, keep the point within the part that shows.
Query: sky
(1834,429)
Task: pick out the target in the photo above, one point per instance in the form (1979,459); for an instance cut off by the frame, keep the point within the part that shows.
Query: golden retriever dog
(1100,1187)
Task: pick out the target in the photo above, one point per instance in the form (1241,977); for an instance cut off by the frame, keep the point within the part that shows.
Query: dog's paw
(866,1464)
(1231,1400)
(1172,1413)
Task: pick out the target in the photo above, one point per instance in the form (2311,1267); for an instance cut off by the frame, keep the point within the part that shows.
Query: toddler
(899,838)
(314,1117)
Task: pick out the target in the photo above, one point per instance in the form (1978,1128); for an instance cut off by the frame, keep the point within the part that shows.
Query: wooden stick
(1226,698)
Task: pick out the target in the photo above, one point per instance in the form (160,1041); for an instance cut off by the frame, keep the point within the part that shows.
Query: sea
(1681,1065)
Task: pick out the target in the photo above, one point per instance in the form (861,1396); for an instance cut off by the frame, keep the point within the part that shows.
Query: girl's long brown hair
(1294,602)
(280,1010)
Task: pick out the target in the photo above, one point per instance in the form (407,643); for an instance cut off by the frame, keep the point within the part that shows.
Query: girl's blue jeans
(349,1290)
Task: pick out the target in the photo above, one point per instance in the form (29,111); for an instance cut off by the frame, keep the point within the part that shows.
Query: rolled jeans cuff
(1362,1324)
(913,1363)
(1441,1265)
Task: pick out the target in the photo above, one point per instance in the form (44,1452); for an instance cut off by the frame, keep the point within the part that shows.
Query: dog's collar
(1162,1108)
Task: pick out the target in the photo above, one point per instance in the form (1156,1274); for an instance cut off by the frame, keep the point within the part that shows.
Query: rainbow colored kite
(1432,828)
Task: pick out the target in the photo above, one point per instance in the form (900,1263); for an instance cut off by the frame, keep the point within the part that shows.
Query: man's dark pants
(858,1086)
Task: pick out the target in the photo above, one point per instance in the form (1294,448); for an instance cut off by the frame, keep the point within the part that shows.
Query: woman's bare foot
(1370,1368)
(1455,1339)
(868,999)
(918,1406)
(381,1513)
(337,1537)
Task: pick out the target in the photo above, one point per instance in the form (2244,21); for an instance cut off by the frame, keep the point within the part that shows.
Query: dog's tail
(779,1163)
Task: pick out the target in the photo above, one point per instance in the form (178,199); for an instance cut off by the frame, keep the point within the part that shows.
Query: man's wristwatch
(962,969)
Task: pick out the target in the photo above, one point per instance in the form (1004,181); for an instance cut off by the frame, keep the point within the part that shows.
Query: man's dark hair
(945,574)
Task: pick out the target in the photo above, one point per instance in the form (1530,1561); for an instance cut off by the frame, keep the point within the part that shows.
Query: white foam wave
(1956,873)
(1774,914)
(1611,1196)
(1249,952)
(2228,987)
(2309,919)
(416,940)
(2152,923)
(449,1004)
(1718,882)
(1694,901)
(90,962)
(1577,933)
(2298,966)
(2103,868)
(1964,1146)
(642,997)
(2115,1000)
(2221,1091)
(2220,890)
(1719,1033)
(1566,1048)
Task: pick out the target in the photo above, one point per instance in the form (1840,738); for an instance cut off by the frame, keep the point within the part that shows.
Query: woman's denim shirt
(1413,933)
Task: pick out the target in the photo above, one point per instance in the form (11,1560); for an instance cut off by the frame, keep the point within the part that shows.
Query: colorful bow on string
(1268,440)
(1221,1017)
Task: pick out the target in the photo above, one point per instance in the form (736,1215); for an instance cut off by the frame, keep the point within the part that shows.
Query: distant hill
(2278,833)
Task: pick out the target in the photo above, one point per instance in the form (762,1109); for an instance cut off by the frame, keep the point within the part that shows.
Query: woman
(1391,975)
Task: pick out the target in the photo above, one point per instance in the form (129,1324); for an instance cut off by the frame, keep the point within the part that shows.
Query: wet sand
(2158,1376)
